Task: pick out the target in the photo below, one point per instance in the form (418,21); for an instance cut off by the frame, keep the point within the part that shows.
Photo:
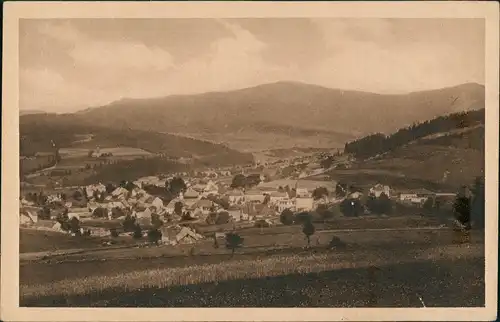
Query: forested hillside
(464,130)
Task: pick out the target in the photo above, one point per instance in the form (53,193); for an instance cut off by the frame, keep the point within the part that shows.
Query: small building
(304,203)
(378,189)
(174,235)
(254,196)
(286,204)
(417,196)
(170,208)
(204,206)
(276,197)
(79,213)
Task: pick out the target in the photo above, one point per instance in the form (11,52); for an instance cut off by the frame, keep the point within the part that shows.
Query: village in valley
(177,208)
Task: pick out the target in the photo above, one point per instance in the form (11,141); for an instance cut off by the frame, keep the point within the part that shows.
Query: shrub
(222,218)
(287,217)
(129,224)
(154,236)
(233,241)
(113,232)
(137,232)
(351,207)
(303,218)
(308,229)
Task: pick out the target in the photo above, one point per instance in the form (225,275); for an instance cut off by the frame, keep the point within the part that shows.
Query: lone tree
(478,203)
(74,224)
(308,229)
(462,209)
(154,236)
(287,217)
(319,193)
(233,241)
(176,186)
(137,231)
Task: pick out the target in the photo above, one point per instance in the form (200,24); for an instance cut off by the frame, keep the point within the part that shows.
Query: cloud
(46,89)
(109,54)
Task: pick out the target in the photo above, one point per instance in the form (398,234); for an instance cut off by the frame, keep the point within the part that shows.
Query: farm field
(116,151)
(112,261)
(441,275)
(42,241)
(39,240)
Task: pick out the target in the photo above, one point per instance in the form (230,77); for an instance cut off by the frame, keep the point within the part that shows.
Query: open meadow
(316,277)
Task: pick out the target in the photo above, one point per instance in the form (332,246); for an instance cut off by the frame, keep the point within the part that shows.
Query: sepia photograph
(250,159)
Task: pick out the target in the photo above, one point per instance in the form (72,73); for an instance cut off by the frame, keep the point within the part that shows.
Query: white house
(277,196)
(286,204)
(417,196)
(170,208)
(254,196)
(304,203)
(302,192)
(378,189)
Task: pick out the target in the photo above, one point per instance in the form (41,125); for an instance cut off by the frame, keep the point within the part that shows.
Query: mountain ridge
(273,115)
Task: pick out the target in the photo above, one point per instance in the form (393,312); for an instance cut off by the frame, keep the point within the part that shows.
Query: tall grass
(238,269)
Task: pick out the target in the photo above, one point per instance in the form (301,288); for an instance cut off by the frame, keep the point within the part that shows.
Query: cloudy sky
(66,65)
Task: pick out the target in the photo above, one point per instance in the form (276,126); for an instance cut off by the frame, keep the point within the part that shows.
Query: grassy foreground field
(442,276)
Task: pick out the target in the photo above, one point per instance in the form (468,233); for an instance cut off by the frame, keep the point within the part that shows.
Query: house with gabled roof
(276,197)
(254,196)
(378,189)
(170,208)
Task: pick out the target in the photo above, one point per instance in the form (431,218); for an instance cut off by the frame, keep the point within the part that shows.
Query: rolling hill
(283,114)
(440,154)
(38,131)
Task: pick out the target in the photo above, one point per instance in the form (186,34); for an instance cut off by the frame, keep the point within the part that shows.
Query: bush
(336,243)
(222,218)
(75,225)
(303,218)
(233,241)
(319,193)
(100,213)
(308,229)
(44,213)
(113,232)
(287,217)
(137,232)
(154,235)
(351,208)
